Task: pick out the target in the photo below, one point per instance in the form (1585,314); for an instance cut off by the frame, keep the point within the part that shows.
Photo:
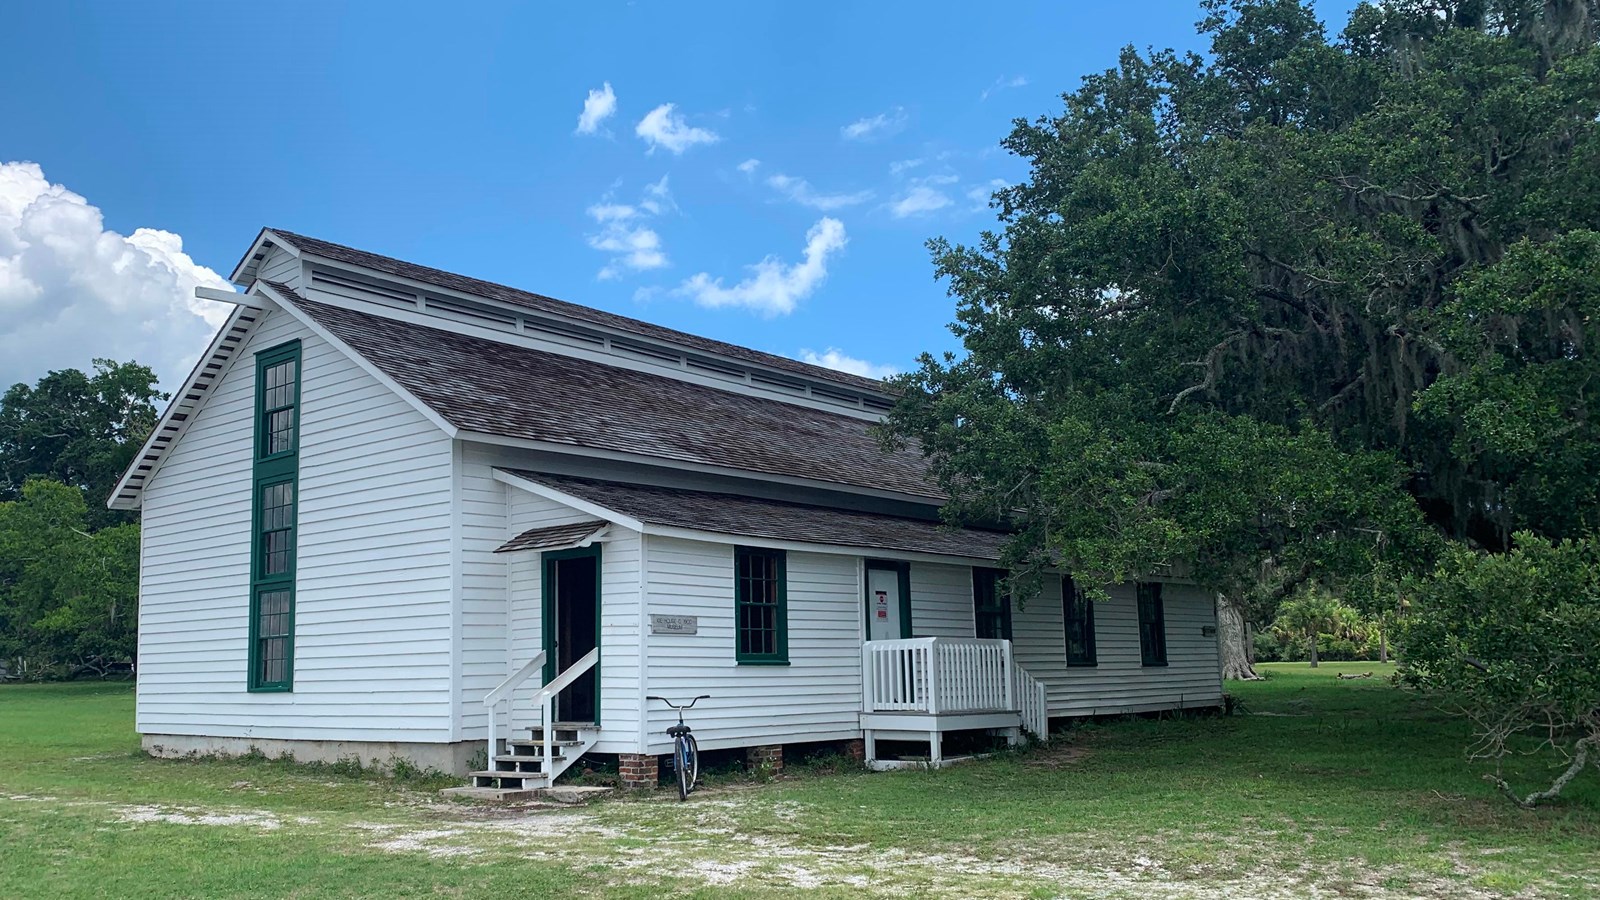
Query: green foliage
(1316,625)
(1519,399)
(68,597)
(69,567)
(78,429)
(1514,639)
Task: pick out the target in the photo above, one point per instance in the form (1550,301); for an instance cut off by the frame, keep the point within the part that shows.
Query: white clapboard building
(400,513)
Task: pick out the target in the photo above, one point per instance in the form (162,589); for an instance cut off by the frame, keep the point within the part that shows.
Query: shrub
(1514,640)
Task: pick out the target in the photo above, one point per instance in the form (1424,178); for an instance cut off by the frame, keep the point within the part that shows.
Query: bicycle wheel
(694,762)
(681,762)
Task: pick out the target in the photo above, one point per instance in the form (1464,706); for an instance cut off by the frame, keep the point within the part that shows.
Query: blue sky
(450,136)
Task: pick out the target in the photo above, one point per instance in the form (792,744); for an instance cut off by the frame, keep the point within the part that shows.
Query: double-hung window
(1078,612)
(274,490)
(1152,624)
(991,607)
(760,607)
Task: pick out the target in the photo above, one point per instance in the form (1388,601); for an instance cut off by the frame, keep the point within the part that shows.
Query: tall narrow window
(274,489)
(991,608)
(760,607)
(1078,612)
(1152,624)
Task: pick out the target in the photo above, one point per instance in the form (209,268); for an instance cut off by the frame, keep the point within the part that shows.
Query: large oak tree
(1248,308)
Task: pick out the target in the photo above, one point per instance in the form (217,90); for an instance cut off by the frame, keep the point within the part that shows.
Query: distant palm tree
(1315,612)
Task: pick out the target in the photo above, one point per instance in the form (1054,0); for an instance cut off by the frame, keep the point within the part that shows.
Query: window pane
(277,506)
(1152,624)
(280,431)
(275,553)
(757,611)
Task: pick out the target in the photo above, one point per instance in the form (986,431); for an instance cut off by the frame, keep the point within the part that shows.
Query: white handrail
(547,699)
(504,688)
(501,691)
(560,682)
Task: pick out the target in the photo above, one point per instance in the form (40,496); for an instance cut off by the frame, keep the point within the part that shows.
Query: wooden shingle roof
(754,517)
(500,389)
(553,536)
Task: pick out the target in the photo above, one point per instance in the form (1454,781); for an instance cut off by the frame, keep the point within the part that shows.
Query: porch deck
(920,688)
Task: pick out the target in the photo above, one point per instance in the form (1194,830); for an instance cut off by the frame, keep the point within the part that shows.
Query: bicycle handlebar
(689,705)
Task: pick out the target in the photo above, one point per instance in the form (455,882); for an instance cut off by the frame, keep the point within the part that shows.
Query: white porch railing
(1035,704)
(941,676)
(937,675)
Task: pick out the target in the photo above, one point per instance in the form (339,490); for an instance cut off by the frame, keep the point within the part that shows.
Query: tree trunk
(1383,646)
(1313,648)
(1231,642)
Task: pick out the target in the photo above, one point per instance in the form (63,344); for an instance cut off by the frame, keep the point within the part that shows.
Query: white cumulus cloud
(773,288)
(924,195)
(597,107)
(71,291)
(800,191)
(836,359)
(631,243)
(881,125)
(661,127)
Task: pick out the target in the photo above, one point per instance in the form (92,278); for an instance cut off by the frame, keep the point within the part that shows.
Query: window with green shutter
(991,606)
(274,500)
(760,607)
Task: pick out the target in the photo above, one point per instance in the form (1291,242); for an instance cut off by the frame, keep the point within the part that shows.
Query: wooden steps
(516,771)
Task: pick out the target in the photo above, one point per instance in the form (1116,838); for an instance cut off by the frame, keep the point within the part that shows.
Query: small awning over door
(554,537)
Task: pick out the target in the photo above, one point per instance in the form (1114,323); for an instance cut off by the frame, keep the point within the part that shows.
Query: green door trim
(903,570)
(548,559)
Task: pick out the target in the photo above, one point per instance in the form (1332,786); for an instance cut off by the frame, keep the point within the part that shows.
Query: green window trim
(991,605)
(760,607)
(274,519)
(1152,623)
(1077,616)
(903,572)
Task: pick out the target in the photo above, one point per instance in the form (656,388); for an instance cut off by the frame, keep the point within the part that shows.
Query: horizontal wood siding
(619,619)
(280,266)
(941,601)
(816,697)
(1120,683)
(485,640)
(372,606)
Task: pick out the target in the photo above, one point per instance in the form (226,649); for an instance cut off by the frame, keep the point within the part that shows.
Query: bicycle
(685,752)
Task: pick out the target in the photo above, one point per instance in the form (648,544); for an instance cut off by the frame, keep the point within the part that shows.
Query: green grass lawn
(1326,787)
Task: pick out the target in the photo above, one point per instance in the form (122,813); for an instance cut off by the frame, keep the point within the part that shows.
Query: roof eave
(245,272)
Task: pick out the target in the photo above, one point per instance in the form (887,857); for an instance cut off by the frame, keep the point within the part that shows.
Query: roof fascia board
(566,499)
(366,366)
(699,468)
(175,405)
(266,236)
(585,324)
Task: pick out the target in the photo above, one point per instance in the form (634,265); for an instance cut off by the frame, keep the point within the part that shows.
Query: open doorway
(572,628)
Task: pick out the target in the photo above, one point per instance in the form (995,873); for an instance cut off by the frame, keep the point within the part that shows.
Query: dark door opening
(572,628)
